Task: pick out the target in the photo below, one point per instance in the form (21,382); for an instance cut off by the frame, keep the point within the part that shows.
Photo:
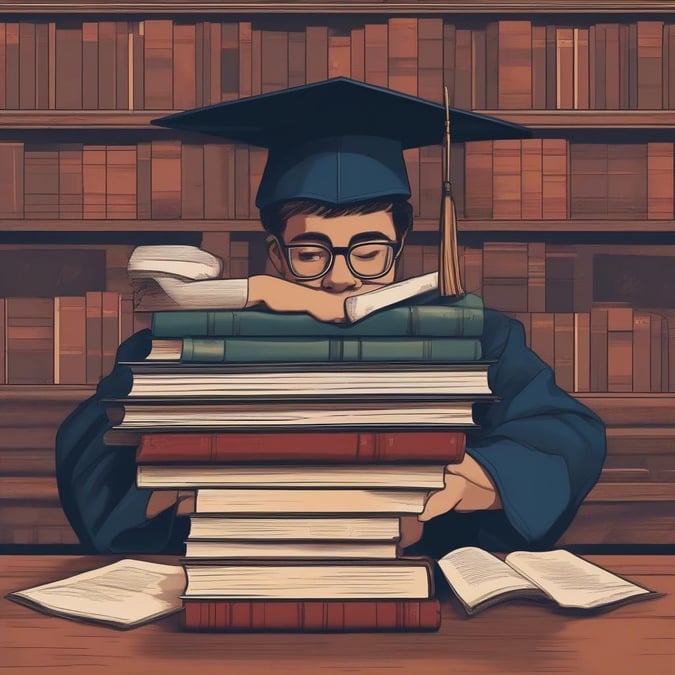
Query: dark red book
(335,447)
(312,615)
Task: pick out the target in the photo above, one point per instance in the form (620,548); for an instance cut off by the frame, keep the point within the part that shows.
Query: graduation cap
(338,141)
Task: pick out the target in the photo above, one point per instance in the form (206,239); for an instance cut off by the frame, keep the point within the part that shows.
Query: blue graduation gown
(543,449)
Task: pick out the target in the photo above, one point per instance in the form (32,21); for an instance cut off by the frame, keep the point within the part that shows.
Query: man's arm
(539,447)
(97,484)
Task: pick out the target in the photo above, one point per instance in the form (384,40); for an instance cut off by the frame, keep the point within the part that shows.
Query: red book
(337,447)
(312,616)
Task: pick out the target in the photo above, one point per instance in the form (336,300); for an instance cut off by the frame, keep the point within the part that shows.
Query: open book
(480,580)
(125,594)
(176,277)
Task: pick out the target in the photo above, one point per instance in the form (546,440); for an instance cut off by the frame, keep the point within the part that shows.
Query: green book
(462,318)
(311,349)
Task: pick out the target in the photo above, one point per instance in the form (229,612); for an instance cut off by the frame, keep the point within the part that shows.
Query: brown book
(612,70)
(229,60)
(312,615)
(515,64)
(525,318)
(478,182)
(632,66)
(457,170)
(412,160)
(192,180)
(660,181)
(492,65)
(339,54)
(462,74)
(41,181)
(3,62)
(11,179)
(257,158)
(588,180)
(71,198)
(402,51)
(473,270)
(94,187)
(627,180)
(219,180)
(30,340)
(650,64)
(3,341)
(669,68)
(478,69)
(332,447)
(449,58)
(642,367)
(239,258)
(26,65)
(11,73)
(505,282)
(531,180)
(506,180)
(204,47)
(69,66)
(121,83)
(619,349)
(430,59)
(581,68)
(317,53)
(430,172)
(121,165)
(166,178)
(297,57)
(94,314)
(274,73)
(110,329)
(600,66)
(560,277)
(158,54)
(213,59)
(107,44)
(375,51)
(582,352)
(536,276)
(592,66)
(564,350)
(551,68)
(144,179)
(565,68)
(357,57)
(539,67)
(624,66)
(555,170)
(138,64)
(70,340)
(256,62)
(657,324)
(184,53)
(543,337)
(598,375)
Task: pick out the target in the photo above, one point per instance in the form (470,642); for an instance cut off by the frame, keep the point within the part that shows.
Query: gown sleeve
(97,483)
(543,449)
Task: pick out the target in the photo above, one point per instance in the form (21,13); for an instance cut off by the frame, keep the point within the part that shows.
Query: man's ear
(274,254)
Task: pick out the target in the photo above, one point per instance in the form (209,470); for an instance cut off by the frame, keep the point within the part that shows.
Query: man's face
(304,232)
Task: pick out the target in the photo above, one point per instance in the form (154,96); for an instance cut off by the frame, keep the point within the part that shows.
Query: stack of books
(306,443)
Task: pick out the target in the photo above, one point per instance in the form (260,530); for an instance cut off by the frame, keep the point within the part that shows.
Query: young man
(336,212)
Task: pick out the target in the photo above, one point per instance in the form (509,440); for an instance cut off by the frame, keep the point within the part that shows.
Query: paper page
(476,575)
(572,581)
(124,593)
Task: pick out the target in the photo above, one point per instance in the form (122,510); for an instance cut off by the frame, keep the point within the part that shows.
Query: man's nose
(340,277)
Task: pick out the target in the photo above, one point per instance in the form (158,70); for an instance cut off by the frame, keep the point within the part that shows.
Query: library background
(572,232)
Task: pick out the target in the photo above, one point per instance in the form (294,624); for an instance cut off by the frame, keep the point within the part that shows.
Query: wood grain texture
(524,638)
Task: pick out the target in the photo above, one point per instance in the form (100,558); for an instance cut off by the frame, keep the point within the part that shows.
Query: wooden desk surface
(515,637)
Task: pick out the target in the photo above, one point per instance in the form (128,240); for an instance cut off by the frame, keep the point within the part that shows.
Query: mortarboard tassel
(449,279)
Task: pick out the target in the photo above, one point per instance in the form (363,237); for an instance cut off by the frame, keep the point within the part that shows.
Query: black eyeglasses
(366,260)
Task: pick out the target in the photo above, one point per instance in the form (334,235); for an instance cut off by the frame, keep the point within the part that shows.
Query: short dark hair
(275,217)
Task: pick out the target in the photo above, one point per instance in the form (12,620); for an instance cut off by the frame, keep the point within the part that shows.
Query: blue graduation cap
(338,141)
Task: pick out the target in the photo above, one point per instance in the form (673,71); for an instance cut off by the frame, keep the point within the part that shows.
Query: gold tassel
(449,279)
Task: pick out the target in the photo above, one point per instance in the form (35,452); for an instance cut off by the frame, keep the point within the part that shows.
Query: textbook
(480,580)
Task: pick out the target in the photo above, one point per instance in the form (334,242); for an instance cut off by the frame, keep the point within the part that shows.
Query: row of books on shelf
(176,64)
(164,179)
(73,340)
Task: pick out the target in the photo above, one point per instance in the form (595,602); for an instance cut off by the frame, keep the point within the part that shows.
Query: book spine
(331,447)
(400,322)
(238,350)
(312,616)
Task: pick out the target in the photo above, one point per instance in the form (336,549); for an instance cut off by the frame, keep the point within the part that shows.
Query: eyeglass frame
(334,251)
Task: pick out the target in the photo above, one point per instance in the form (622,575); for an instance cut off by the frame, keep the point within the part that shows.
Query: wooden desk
(516,637)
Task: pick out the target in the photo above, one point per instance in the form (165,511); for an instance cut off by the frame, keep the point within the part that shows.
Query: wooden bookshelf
(562,120)
(351,6)
(421,225)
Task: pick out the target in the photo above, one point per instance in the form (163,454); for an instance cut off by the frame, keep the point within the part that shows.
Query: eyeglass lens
(368,259)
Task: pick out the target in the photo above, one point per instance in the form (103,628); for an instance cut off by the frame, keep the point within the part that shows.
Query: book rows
(536,179)
(160,64)
(62,340)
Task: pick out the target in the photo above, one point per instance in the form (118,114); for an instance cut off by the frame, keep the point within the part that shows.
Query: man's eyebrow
(368,236)
(311,236)
(361,236)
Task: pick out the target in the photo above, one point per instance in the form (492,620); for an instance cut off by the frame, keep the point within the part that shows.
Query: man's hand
(281,295)
(468,487)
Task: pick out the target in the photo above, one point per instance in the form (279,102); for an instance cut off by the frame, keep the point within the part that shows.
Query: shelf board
(535,119)
(350,6)
(252,225)
(38,393)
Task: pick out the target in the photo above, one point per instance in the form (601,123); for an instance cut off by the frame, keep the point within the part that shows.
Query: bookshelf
(84,173)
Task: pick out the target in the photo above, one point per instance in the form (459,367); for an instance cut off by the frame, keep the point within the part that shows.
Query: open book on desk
(129,593)
(480,580)
(176,277)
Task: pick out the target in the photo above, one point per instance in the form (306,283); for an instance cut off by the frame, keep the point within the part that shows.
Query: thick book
(271,501)
(294,349)
(316,447)
(310,381)
(305,550)
(396,476)
(174,414)
(312,615)
(464,318)
(210,579)
(311,527)
(480,580)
